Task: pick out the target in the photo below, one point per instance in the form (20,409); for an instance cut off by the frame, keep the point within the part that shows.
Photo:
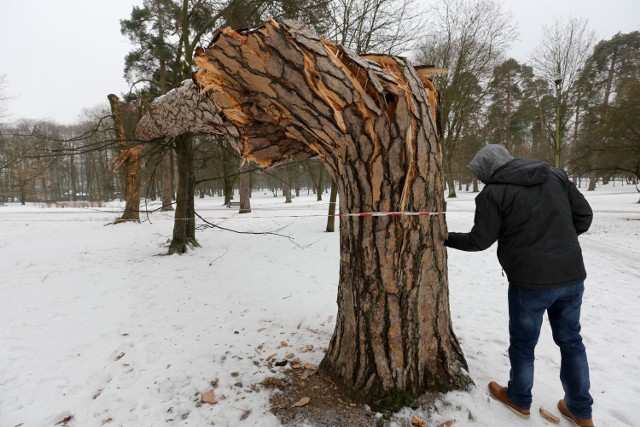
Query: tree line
(575,103)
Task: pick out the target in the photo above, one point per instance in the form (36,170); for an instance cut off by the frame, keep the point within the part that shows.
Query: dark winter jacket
(536,214)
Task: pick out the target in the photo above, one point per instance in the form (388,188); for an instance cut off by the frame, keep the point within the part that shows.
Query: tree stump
(282,92)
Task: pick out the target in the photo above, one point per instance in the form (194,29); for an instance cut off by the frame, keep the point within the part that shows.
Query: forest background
(572,101)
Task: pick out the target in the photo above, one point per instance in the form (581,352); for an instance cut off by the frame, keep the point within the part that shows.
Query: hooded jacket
(536,214)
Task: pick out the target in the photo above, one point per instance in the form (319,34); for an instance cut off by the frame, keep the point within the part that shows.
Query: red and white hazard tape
(362,214)
(392,214)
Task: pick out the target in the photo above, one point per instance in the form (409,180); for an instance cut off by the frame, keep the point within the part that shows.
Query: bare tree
(468,38)
(129,159)
(376,26)
(559,58)
(4,98)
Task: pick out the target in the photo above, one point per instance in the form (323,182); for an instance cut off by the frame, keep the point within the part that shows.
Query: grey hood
(488,160)
(522,172)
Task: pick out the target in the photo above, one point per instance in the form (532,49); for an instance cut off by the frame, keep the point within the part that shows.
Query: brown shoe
(500,394)
(580,422)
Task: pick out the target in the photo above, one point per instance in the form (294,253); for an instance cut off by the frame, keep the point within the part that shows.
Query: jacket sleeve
(580,209)
(485,229)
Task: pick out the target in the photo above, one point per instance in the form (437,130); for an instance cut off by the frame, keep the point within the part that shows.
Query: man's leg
(564,316)
(526,310)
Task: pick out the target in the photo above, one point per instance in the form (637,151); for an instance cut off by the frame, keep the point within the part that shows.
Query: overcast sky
(60,57)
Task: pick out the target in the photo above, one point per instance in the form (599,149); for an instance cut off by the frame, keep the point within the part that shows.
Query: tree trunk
(331,219)
(184,226)
(129,158)
(72,178)
(23,193)
(319,184)
(316,172)
(167,187)
(451,185)
(286,183)
(245,187)
(227,179)
(294,95)
(593,179)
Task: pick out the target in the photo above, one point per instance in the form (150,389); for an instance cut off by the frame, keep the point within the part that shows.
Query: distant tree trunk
(331,219)
(451,185)
(245,187)
(23,192)
(129,158)
(72,178)
(167,187)
(227,179)
(593,179)
(184,227)
(316,173)
(593,176)
(292,94)
(320,184)
(286,183)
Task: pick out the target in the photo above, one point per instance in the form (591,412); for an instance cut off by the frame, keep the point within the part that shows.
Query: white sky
(62,56)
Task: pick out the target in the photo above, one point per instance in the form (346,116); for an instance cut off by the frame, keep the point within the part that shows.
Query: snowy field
(98,327)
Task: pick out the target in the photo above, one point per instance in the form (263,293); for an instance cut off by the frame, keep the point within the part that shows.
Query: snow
(97,324)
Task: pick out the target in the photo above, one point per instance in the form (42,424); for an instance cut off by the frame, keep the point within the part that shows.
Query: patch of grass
(393,401)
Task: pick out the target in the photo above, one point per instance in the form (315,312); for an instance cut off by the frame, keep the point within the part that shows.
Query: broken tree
(281,92)
(129,158)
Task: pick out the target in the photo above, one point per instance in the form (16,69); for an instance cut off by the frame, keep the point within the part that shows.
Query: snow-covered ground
(97,324)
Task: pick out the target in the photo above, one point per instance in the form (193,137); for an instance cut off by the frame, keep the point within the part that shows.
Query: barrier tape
(393,214)
(245,216)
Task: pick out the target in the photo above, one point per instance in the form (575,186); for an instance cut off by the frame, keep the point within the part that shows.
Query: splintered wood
(549,416)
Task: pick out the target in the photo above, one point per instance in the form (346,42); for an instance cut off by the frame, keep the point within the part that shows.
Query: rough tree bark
(184,226)
(370,120)
(129,158)
(167,187)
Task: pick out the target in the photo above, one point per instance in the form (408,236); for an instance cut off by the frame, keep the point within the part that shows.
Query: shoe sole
(521,415)
(569,418)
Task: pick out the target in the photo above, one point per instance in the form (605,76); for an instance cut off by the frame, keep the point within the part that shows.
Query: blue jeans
(526,309)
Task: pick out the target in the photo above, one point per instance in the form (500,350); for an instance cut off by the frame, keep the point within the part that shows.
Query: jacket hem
(547,286)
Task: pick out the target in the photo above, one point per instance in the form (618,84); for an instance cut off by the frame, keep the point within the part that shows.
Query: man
(536,214)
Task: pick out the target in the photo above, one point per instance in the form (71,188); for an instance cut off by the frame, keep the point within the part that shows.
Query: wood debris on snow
(65,421)
(302,402)
(549,416)
(210,397)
